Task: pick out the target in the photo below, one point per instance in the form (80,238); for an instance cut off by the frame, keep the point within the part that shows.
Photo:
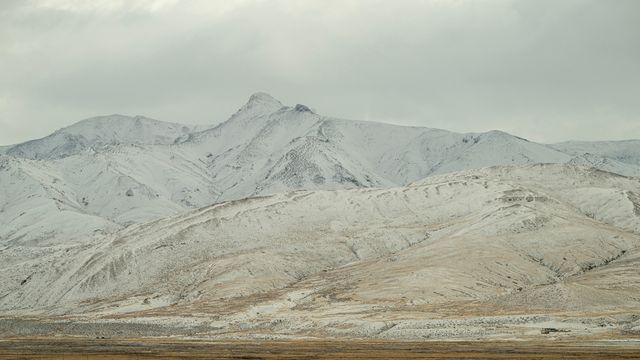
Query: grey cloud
(546,70)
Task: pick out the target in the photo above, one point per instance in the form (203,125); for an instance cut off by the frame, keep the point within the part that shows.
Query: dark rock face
(302,108)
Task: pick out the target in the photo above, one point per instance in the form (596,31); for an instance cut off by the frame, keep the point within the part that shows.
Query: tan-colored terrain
(533,252)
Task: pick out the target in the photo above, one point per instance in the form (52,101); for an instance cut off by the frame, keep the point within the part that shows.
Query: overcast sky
(545,70)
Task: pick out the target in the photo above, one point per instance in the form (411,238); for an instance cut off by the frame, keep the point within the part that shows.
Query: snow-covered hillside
(627,151)
(100,131)
(118,170)
(606,163)
(282,220)
(266,147)
(38,208)
(535,239)
(100,190)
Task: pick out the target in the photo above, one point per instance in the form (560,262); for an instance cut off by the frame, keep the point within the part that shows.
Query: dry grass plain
(82,348)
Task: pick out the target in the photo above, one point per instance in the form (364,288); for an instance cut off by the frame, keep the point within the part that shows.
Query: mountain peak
(100,131)
(263,99)
(259,103)
(302,108)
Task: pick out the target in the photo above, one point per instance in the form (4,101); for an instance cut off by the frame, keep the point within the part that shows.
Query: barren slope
(502,246)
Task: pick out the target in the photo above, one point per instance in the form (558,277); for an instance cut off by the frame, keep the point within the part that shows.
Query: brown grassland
(82,348)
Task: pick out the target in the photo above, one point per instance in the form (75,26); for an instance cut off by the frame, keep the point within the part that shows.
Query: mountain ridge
(264,148)
(282,222)
(100,131)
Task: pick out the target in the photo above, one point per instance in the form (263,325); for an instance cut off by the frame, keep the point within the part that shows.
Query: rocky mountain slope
(487,252)
(112,171)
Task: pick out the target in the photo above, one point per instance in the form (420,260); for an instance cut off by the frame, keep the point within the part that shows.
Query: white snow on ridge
(606,164)
(484,235)
(147,221)
(624,151)
(124,170)
(38,208)
(100,131)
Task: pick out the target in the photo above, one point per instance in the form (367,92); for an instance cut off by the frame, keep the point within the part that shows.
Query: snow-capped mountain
(606,164)
(621,157)
(625,151)
(98,132)
(119,170)
(132,218)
